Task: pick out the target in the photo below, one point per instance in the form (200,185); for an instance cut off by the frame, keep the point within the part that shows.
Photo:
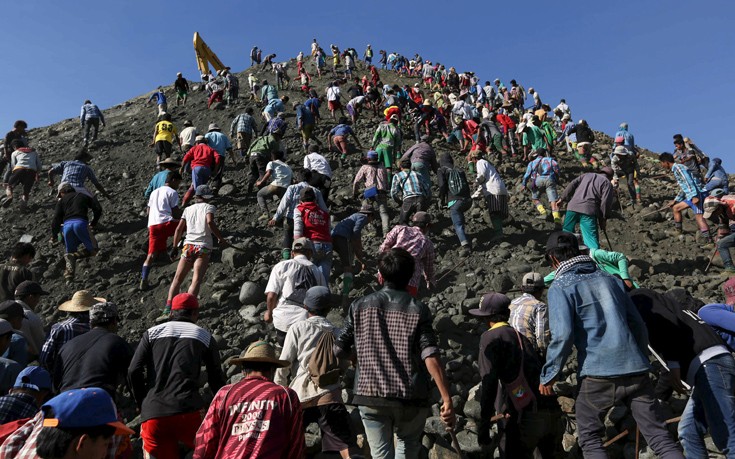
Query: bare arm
(436,370)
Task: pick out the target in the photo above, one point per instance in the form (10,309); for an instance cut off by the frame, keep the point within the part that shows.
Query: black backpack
(303,279)
(457,182)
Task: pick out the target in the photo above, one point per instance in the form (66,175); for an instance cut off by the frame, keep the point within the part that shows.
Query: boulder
(251,293)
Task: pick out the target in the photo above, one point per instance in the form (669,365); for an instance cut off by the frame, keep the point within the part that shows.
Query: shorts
(158,236)
(334,105)
(25,176)
(696,208)
(163,148)
(191,252)
(181,94)
(161,436)
(306,131)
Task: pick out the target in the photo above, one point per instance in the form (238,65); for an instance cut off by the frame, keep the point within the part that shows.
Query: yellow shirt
(165,130)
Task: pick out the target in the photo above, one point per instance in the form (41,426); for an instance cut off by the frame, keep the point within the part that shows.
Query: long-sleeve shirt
(156,182)
(721,317)
(90,111)
(411,183)
(387,135)
(541,166)
(628,139)
(568,132)
(159,97)
(291,199)
(243,123)
(589,194)
(25,158)
(75,173)
(411,239)
(371,175)
(75,205)
(202,155)
(253,418)
(615,263)
(60,334)
(531,318)
(422,152)
(690,187)
(489,179)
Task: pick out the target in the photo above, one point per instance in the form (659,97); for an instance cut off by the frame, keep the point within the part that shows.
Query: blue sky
(664,67)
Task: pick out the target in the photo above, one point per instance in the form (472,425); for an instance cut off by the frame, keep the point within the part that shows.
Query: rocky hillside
(124,163)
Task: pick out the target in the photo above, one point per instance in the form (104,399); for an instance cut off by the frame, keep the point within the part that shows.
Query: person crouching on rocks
(198,222)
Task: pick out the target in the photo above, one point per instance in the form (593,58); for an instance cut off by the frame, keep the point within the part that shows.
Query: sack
(457,182)
(518,390)
(303,279)
(323,366)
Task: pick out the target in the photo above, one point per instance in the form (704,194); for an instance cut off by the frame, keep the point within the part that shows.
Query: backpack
(457,183)
(303,279)
(324,367)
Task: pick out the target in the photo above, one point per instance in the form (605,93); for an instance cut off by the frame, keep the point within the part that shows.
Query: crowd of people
(59,383)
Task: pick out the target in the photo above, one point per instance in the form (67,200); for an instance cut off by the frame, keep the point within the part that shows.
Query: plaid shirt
(530,317)
(418,245)
(17,406)
(411,184)
(242,123)
(565,266)
(75,173)
(22,443)
(61,333)
(372,176)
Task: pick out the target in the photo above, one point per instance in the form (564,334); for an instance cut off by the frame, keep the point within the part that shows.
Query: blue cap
(34,378)
(372,154)
(318,298)
(79,408)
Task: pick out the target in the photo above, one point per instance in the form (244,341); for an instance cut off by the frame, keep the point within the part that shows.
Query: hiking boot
(7,201)
(70,263)
(143,285)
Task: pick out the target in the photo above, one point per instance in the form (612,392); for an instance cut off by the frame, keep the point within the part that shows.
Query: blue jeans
(457,211)
(323,258)
(587,226)
(380,423)
(200,176)
(544,183)
(724,245)
(76,231)
(712,404)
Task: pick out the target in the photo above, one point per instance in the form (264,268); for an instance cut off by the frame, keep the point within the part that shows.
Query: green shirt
(614,263)
(534,136)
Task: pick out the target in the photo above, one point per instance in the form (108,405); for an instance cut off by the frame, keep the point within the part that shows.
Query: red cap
(184,301)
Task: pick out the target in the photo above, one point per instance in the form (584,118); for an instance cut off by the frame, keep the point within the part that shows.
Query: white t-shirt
(188,135)
(333,93)
(318,163)
(489,179)
(161,204)
(281,283)
(197,230)
(356,101)
(280,172)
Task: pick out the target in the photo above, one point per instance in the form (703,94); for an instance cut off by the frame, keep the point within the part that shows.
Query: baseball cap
(532,282)
(79,408)
(710,206)
(302,243)
(10,309)
(728,288)
(318,298)
(204,191)
(366,208)
(560,240)
(103,312)
(492,303)
(372,154)
(184,301)
(307,194)
(33,378)
(29,288)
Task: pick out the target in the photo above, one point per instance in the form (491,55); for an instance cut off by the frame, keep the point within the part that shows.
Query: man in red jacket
(204,162)
(312,222)
(254,418)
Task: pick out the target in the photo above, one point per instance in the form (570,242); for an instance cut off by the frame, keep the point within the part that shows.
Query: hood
(25,149)
(717,162)
(309,205)
(445,160)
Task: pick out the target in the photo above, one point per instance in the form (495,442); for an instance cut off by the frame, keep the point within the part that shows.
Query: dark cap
(607,170)
(560,240)
(10,310)
(318,299)
(492,303)
(103,312)
(29,288)
(308,194)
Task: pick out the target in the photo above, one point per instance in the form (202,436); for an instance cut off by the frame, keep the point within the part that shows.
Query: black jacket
(98,358)
(12,274)
(165,371)
(677,334)
(584,133)
(75,205)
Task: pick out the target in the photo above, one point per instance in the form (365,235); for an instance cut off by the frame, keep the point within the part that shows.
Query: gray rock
(251,293)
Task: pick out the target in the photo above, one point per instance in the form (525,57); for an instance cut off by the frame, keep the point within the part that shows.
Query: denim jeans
(544,183)
(410,206)
(598,395)
(717,183)
(457,211)
(323,258)
(587,226)
(408,424)
(724,245)
(712,404)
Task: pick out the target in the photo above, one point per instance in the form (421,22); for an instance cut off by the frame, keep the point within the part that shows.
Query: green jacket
(264,145)
(614,263)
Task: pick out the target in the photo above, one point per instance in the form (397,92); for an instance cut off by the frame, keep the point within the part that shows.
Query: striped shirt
(690,187)
(411,184)
(60,334)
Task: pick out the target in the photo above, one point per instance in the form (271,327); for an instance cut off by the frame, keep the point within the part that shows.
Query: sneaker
(143,285)
(263,217)
(7,201)
(164,316)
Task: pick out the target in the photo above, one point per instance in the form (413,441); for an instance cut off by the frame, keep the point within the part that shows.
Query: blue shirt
(218,141)
(341,130)
(274,107)
(628,140)
(75,173)
(690,187)
(721,317)
(304,117)
(542,166)
(159,96)
(313,105)
(351,227)
(157,182)
(589,309)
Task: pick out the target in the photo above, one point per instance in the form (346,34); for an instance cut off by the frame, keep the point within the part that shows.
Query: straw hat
(260,351)
(81,301)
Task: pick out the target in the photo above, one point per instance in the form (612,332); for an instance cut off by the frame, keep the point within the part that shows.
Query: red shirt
(506,121)
(254,419)
(202,155)
(315,221)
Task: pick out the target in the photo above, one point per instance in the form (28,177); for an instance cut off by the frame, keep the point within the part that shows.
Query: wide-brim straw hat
(81,301)
(260,351)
